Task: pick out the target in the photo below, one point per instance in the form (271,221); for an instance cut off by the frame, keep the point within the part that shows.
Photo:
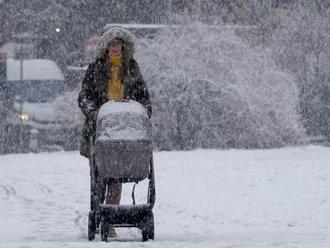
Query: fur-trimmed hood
(116,32)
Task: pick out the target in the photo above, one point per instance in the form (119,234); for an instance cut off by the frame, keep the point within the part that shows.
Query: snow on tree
(301,45)
(209,89)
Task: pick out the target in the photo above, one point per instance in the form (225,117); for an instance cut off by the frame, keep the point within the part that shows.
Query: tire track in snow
(80,222)
(186,214)
(44,189)
(8,190)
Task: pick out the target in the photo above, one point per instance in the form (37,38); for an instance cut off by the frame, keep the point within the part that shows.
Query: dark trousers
(110,192)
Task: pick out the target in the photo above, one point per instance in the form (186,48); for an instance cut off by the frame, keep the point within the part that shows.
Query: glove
(88,109)
(90,127)
(92,115)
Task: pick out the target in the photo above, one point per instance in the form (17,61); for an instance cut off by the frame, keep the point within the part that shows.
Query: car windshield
(34,80)
(35,90)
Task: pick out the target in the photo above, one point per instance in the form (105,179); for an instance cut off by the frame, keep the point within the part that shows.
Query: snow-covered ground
(205,198)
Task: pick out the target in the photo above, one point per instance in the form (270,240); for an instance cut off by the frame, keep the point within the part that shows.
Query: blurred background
(222,74)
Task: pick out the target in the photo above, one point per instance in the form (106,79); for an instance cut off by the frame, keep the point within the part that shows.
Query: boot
(113,197)
(112,232)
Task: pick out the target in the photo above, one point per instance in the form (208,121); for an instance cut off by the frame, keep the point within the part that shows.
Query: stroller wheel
(91,226)
(148,230)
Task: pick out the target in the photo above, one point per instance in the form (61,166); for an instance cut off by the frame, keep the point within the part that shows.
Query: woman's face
(115,48)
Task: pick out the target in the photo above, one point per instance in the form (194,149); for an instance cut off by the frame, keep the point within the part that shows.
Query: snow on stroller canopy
(123,121)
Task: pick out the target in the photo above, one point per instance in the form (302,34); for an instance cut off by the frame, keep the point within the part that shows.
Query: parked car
(36,116)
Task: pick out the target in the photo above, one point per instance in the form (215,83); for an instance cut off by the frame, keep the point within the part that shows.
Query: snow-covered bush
(211,89)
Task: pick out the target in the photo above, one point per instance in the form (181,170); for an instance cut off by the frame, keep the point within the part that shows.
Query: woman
(114,76)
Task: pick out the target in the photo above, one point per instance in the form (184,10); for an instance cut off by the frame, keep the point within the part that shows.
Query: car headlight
(24,117)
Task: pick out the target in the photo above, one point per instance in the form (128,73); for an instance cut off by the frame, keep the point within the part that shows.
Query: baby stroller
(121,151)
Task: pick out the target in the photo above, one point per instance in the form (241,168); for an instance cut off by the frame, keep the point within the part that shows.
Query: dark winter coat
(94,87)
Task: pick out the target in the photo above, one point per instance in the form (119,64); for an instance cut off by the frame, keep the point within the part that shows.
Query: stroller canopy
(123,121)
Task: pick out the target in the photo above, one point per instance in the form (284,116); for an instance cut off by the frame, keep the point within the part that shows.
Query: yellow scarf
(115,85)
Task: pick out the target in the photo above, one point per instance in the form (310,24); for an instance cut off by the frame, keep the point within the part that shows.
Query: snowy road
(205,198)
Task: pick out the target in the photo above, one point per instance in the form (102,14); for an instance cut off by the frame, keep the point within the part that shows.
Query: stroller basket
(123,145)
(123,160)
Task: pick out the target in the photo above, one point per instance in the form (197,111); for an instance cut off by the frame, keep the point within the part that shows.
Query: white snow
(113,107)
(123,121)
(205,198)
(33,69)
